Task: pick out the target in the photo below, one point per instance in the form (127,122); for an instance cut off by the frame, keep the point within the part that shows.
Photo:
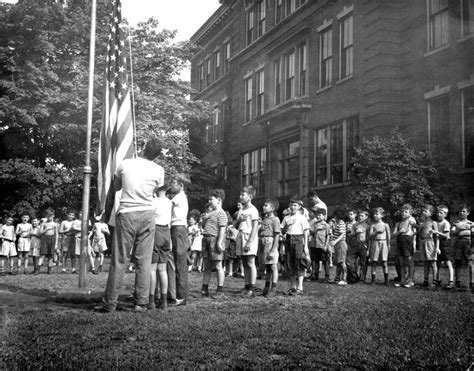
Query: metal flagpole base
(78,295)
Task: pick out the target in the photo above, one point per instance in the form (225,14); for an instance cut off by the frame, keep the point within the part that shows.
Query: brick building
(296,84)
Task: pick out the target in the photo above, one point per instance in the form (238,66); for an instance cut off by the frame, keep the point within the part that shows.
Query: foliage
(388,172)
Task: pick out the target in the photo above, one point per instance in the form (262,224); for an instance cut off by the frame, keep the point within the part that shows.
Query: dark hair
(378,210)
(162,188)
(464,206)
(296,200)
(274,203)
(153,148)
(339,213)
(312,193)
(217,193)
(250,190)
(443,207)
(430,208)
(320,211)
(366,212)
(407,207)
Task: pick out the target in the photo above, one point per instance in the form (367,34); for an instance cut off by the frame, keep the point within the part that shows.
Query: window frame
(325,47)
(465,138)
(302,68)
(467,17)
(250,27)
(431,23)
(254,169)
(290,74)
(260,91)
(217,63)
(346,52)
(261,14)
(277,81)
(248,99)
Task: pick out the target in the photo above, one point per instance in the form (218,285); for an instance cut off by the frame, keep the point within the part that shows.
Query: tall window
(334,149)
(468,126)
(260,92)
(289,75)
(438,23)
(325,58)
(277,79)
(226,56)
(208,134)
(254,169)
(467,17)
(346,47)
(438,122)
(208,72)
(290,7)
(300,3)
(201,76)
(216,130)
(217,64)
(248,99)
(302,68)
(261,14)
(250,26)
(288,167)
(279,15)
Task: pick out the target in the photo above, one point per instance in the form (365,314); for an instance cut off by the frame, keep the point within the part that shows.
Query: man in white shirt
(179,239)
(135,225)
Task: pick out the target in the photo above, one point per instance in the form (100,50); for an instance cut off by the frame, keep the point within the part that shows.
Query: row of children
(47,239)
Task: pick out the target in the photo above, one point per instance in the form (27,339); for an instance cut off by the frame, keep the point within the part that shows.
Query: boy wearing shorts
(429,244)
(99,244)
(444,229)
(213,243)
(296,228)
(8,246)
(49,239)
(35,244)
(319,246)
(23,234)
(338,243)
(463,233)
(247,238)
(379,234)
(68,241)
(269,240)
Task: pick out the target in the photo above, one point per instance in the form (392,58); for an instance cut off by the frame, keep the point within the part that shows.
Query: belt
(162,225)
(208,235)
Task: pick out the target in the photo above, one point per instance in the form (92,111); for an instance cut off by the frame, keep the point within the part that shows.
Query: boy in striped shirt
(338,242)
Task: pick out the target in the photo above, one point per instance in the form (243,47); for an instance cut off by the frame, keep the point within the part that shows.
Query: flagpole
(87,166)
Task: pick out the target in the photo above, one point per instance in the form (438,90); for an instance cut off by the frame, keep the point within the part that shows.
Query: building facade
(296,84)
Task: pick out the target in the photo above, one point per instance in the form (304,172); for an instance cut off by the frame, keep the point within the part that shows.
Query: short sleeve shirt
(322,231)
(339,229)
(295,224)
(162,210)
(270,227)
(216,220)
(179,213)
(247,216)
(444,227)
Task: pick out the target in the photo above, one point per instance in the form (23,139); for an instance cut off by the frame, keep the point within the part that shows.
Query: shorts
(68,244)
(99,244)
(209,244)
(378,251)
(265,246)
(462,250)
(23,244)
(405,246)
(8,249)
(317,254)
(77,247)
(428,250)
(340,252)
(357,251)
(35,246)
(161,245)
(47,246)
(230,251)
(446,251)
(294,247)
(196,244)
(242,239)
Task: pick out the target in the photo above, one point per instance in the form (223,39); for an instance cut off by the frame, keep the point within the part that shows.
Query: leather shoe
(177,302)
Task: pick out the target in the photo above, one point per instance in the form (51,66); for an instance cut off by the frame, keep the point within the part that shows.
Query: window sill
(329,186)
(323,89)
(247,123)
(466,37)
(437,50)
(344,79)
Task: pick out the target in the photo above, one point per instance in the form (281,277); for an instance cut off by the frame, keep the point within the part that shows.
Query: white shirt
(179,213)
(162,207)
(137,178)
(295,224)
(247,216)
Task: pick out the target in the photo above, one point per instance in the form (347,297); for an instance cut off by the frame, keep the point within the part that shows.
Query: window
(334,150)
(290,6)
(215,126)
(302,68)
(347,47)
(201,76)
(277,79)
(438,23)
(261,14)
(289,76)
(224,118)
(250,26)
(468,126)
(279,11)
(226,56)
(208,72)
(207,136)
(260,92)
(288,167)
(467,17)
(438,123)
(248,99)
(254,168)
(325,57)
(300,3)
(217,64)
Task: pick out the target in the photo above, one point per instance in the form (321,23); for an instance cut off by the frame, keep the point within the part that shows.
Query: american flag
(117,135)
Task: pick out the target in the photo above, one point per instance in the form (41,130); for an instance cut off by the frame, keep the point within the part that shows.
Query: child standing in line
(296,227)
(35,244)
(247,238)
(49,239)
(444,228)
(77,229)
(463,233)
(269,239)
(338,242)
(429,244)
(68,241)
(405,232)
(8,251)
(23,233)
(230,241)
(379,234)
(213,243)
(195,241)
(314,270)
(99,244)
(320,232)
(361,252)
(351,241)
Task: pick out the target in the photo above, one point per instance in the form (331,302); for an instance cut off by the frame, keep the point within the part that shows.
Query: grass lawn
(358,326)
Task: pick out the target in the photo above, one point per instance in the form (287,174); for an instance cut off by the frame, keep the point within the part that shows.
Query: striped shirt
(338,230)
(215,220)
